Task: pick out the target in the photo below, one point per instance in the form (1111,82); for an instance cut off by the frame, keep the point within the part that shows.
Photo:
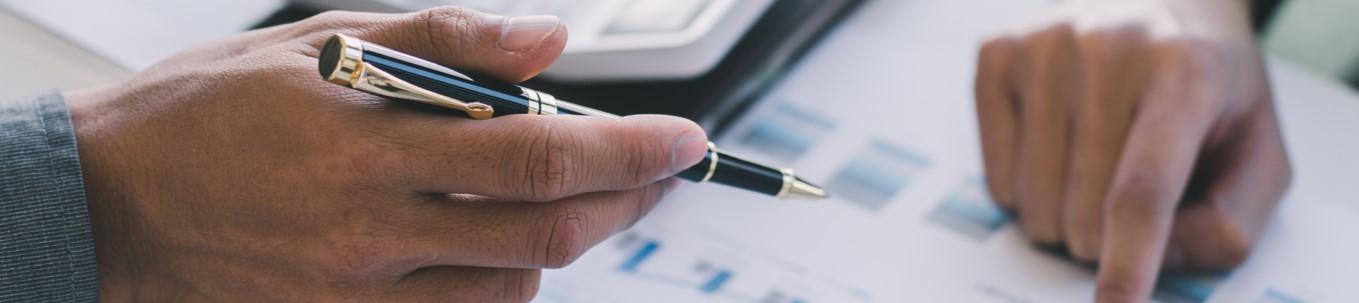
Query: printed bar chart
(786,134)
(876,174)
(970,211)
(640,256)
(715,284)
(1275,296)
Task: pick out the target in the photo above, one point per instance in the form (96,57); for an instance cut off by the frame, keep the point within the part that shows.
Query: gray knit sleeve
(46,249)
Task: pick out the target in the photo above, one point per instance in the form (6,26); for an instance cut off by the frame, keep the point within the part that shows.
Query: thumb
(1241,184)
(512,49)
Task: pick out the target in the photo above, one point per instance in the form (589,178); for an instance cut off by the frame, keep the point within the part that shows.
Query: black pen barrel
(736,172)
(506,98)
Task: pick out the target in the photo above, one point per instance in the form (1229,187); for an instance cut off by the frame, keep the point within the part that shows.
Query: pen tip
(804,190)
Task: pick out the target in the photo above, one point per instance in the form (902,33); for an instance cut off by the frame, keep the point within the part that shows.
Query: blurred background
(1318,34)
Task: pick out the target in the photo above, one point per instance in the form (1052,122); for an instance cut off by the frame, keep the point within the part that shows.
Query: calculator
(615,40)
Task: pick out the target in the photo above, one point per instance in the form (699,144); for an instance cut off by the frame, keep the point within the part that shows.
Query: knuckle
(1233,256)
(1084,248)
(1000,190)
(350,265)
(1124,31)
(1110,39)
(1229,257)
(566,238)
(646,162)
(1042,236)
(328,19)
(1232,248)
(1039,223)
(549,169)
(1141,194)
(1040,231)
(323,24)
(1083,230)
(997,46)
(1064,28)
(370,169)
(1084,251)
(1193,55)
(993,60)
(1052,32)
(521,286)
(447,28)
(356,256)
(1137,209)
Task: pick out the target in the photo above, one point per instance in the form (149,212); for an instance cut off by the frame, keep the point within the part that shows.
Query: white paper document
(881,114)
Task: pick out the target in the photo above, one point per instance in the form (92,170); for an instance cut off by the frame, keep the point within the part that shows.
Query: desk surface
(49,61)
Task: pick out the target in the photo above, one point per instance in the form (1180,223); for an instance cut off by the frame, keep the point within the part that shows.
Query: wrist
(93,119)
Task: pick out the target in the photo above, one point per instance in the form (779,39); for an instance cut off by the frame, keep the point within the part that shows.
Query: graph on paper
(909,219)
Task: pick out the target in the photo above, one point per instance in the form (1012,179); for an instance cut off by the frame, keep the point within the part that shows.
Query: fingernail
(687,151)
(521,34)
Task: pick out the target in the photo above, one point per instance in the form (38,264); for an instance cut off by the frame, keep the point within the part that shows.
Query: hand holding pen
(231,172)
(385,72)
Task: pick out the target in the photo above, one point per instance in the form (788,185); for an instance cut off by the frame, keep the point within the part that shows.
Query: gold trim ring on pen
(712,164)
(787,182)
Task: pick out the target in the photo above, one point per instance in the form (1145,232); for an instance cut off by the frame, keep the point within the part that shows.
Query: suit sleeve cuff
(46,247)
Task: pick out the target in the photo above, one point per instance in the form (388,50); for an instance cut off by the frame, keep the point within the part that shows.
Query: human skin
(233,172)
(1136,134)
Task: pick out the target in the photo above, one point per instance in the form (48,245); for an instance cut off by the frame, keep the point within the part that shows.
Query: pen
(375,69)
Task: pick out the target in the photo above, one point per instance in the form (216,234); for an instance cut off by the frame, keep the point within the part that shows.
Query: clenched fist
(1135,133)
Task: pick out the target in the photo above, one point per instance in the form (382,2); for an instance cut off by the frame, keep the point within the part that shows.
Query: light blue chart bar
(715,284)
(1176,288)
(1275,296)
(640,256)
(970,211)
(876,174)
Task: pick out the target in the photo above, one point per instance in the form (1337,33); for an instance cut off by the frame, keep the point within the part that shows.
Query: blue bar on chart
(715,283)
(969,210)
(876,174)
(786,134)
(641,255)
(1276,296)
(1183,288)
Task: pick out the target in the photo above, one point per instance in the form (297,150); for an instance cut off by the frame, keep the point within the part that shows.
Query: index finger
(546,158)
(1152,175)
(996,115)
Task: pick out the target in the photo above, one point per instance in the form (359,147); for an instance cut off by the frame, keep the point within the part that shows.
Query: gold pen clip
(342,63)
